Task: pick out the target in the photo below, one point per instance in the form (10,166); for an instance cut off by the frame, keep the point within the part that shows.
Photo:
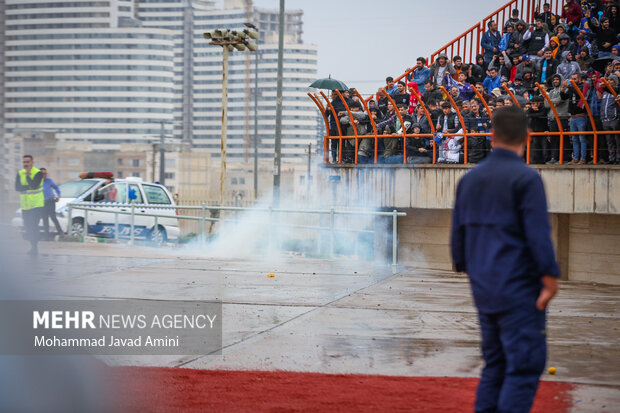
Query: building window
(136,174)
(241,181)
(135,163)
(234,181)
(119,174)
(169,175)
(119,161)
(73,161)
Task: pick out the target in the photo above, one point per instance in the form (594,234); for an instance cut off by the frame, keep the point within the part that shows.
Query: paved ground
(339,317)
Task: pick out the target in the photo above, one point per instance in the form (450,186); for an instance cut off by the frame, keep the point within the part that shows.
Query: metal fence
(204,210)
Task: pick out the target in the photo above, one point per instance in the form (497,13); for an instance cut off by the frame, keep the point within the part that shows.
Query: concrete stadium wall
(586,244)
(570,189)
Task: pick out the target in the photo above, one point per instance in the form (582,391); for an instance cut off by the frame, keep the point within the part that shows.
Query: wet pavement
(338,317)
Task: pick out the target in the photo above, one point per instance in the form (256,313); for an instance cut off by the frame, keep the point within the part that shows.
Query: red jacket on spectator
(572,12)
(413,100)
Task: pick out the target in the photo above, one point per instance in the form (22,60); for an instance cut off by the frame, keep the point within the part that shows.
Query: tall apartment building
(118,71)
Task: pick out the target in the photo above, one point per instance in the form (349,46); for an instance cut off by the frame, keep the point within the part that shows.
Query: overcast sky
(362,41)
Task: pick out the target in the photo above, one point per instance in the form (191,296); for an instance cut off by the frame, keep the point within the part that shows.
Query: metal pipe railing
(98,207)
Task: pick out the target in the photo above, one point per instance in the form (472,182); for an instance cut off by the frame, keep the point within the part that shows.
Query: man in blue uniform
(501,238)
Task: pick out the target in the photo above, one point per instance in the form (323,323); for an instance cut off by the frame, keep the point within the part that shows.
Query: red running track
(159,389)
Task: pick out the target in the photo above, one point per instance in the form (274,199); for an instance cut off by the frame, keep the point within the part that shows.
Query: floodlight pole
(278,141)
(224,122)
(256,126)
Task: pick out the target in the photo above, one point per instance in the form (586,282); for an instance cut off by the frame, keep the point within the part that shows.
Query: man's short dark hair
(480,83)
(510,125)
(490,23)
(401,105)
(428,82)
(400,82)
(28,156)
(421,59)
(389,79)
(515,11)
(432,102)
(355,104)
(492,68)
(455,58)
(445,104)
(42,169)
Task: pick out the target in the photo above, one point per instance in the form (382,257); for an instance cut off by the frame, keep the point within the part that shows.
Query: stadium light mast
(229,40)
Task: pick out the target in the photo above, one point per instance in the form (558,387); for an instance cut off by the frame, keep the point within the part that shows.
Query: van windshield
(74,189)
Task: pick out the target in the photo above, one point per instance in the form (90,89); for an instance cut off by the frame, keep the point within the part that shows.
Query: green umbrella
(329,83)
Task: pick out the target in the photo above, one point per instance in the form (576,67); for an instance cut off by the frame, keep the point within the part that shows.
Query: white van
(120,191)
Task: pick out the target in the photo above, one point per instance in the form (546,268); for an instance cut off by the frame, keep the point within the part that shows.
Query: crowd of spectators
(582,45)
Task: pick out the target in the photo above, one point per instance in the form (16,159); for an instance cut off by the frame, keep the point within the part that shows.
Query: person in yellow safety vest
(29,182)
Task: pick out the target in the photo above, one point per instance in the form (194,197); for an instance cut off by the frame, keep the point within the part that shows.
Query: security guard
(29,182)
(501,238)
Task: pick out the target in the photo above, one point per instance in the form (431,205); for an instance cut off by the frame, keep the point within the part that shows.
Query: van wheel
(77,227)
(158,236)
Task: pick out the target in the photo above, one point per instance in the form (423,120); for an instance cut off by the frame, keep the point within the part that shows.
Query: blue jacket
(488,42)
(421,76)
(49,187)
(489,83)
(501,234)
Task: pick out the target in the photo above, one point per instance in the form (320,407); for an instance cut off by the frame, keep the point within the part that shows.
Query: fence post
(202,223)
(331,232)
(394,238)
(69,219)
(115,225)
(131,236)
(85,229)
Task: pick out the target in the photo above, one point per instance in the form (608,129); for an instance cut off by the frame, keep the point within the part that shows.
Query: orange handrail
(557,119)
(372,121)
(585,101)
(326,138)
(351,119)
(337,125)
(402,125)
(430,121)
(463,126)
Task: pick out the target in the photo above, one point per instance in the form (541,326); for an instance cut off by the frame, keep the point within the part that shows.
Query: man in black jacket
(537,119)
(547,67)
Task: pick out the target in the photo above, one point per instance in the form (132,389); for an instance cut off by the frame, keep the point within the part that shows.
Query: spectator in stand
(613,16)
(440,69)
(565,46)
(480,88)
(572,14)
(482,64)
(546,16)
(418,148)
(559,97)
(537,115)
(361,124)
(537,40)
(465,89)
(490,41)
(401,96)
(516,45)
(504,44)
(615,50)
(514,19)
(606,37)
(413,96)
(389,120)
(477,121)
(448,121)
(435,110)
(394,146)
(334,121)
(431,93)
(528,65)
(568,66)
(419,117)
(518,87)
(492,81)
(592,79)
(578,120)
(500,63)
(382,102)
(454,92)
(391,88)
(421,74)
(548,66)
(475,73)
(610,116)
(584,60)
(464,108)
(580,43)
(457,62)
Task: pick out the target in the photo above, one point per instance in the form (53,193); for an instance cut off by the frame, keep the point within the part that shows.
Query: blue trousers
(580,143)
(514,349)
